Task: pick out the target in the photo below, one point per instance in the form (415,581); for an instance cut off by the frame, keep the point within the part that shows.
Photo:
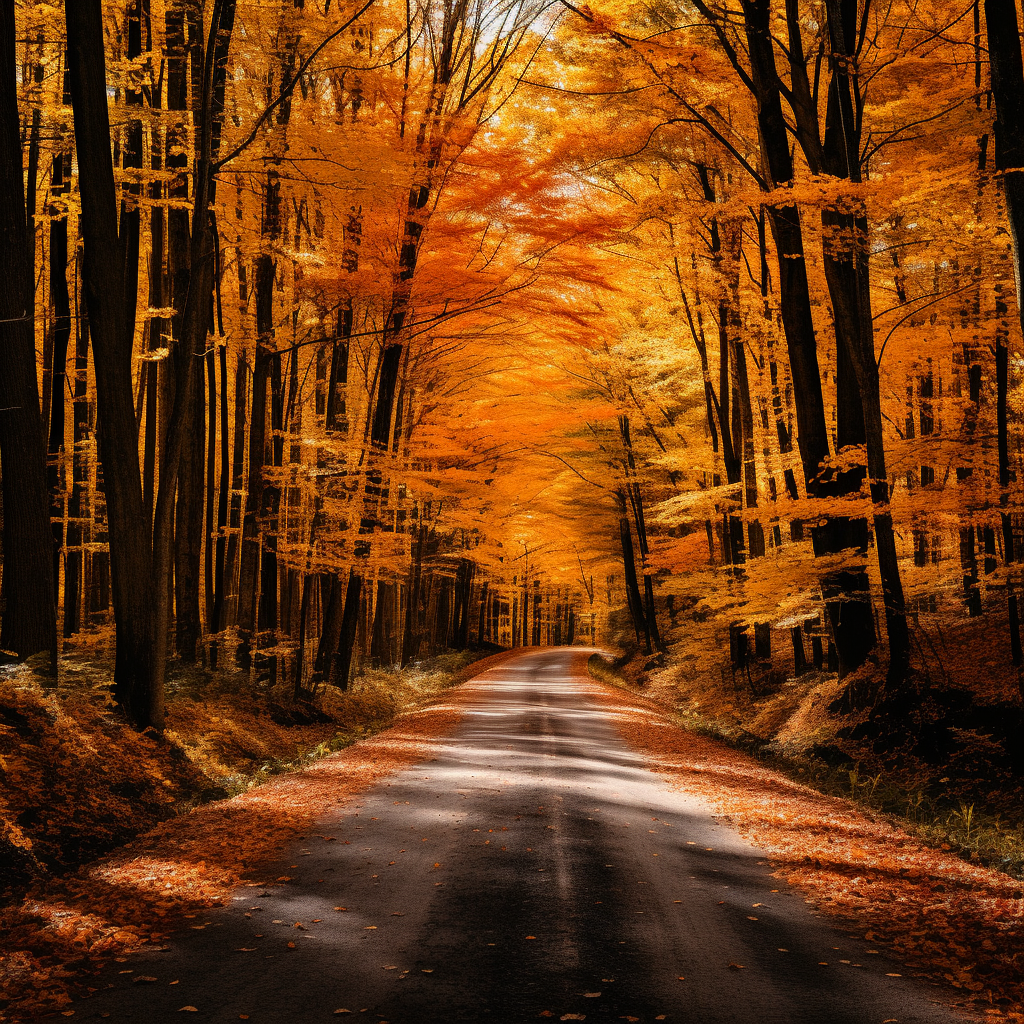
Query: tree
(29,618)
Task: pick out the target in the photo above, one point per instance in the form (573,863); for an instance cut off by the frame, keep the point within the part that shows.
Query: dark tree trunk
(483,616)
(188,529)
(210,531)
(194,322)
(637,504)
(848,275)
(235,527)
(29,618)
(633,599)
(130,550)
(1007,70)
(794,293)
(249,574)
(414,590)
(60,301)
(77,534)
(217,619)
(349,624)
(330,634)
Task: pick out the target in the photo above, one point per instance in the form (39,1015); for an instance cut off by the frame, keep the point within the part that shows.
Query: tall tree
(29,617)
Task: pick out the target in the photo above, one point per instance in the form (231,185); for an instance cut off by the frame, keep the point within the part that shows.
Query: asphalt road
(534,870)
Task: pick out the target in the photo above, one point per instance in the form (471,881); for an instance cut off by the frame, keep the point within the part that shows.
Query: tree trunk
(29,617)
(847,271)
(633,599)
(794,293)
(330,634)
(130,551)
(74,564)
(60,301)
(343,656)
(249,573)
(1007,71)
(235,520)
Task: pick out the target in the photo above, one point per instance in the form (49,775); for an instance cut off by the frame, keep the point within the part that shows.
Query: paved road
(536,869)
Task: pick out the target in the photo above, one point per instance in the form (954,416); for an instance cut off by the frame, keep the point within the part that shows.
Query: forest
(337,338)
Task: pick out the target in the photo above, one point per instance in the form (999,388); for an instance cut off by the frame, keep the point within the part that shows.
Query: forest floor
(957,923)
(78,782)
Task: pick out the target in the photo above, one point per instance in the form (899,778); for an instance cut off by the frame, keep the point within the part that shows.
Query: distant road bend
(535,870)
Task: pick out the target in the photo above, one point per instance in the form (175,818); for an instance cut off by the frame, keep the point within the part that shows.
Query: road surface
(534,870)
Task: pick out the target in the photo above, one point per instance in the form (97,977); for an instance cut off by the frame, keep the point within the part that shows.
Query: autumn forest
(339,339)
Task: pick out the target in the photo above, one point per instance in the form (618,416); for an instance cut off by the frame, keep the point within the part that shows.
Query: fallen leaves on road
(958,923)
(66,928)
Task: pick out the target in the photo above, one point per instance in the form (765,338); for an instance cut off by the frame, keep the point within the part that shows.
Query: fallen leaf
(143,979)
(188,1009)
(291,945)
(737,967)
(531,936)
(427,970)
(591,995)
(573,1016)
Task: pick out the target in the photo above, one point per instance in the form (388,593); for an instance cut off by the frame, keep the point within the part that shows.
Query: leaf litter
(66,929)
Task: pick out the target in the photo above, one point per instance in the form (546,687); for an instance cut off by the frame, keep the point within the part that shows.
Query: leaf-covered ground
(53,940)
(76,781)
(945,918)
(138,895)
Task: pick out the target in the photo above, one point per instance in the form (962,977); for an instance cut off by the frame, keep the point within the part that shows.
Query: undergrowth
(76,781)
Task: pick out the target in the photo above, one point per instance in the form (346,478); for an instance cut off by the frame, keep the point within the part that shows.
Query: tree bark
(346,644)
(60,302)
(633,599)
(794,292)
(29,617)
(130,551)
